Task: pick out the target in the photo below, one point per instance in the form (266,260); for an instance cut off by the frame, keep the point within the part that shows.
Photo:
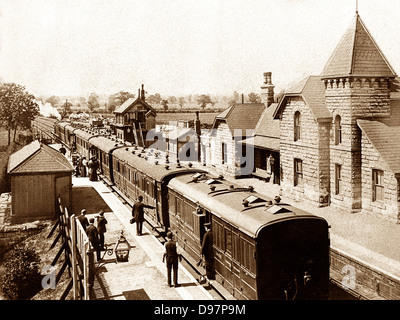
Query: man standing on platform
(83,220)
(138,214)
(101,229)
(172,254)
(93,236)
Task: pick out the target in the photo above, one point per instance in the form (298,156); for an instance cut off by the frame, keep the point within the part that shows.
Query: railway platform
(144,276)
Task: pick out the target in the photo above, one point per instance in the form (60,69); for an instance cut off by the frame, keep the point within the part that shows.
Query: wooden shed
(39,174)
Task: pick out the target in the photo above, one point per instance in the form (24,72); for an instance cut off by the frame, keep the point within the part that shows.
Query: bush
(22,279)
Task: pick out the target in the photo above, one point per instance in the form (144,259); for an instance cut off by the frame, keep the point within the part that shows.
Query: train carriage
(43,129)
(138,172)
(82,143)
(262,250)
(59,130)
(102,147)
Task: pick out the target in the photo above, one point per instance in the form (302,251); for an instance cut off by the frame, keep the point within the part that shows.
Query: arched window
(338,130)
(297,126)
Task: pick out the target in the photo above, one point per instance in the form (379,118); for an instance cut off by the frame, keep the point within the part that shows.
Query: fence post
(74,261)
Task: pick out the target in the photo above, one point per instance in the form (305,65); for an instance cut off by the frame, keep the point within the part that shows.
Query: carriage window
(228,241)
(172,203)
(248,256)
(235,246)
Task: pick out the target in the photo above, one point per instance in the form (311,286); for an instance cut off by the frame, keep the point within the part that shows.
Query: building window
(338,130)
(338,179)
(224,153)
(297,126)
(378,189)
(298,172)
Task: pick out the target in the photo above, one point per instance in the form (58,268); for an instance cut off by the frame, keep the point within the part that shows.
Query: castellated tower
(357,80)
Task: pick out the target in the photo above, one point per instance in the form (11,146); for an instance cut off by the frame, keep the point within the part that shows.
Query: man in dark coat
(172,254)
(207,252)
(101,229)
(93,236)
(138,214)
(83,220)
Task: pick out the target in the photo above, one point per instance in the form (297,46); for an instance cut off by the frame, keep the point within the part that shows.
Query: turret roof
(357,54)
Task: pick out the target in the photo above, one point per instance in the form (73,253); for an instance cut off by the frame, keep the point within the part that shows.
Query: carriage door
(228,254)
(236,260)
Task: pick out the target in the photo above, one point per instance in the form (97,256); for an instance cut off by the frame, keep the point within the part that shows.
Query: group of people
(83,167)
(94,233)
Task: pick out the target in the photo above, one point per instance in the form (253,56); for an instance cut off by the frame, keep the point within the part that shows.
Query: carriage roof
(145,161)
(226,202)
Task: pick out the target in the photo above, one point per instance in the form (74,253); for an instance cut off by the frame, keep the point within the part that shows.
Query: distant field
(165,118)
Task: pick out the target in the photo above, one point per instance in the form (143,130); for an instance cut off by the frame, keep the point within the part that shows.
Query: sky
(179,47)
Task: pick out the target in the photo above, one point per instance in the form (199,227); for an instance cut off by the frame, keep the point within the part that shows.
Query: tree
(254,98)
(172,99)
(164,103)
(17,108)
(93,102)
(235,98)
(154,98)
(22,278)
(122,96)
(54,101)
(181,102)
(203,100)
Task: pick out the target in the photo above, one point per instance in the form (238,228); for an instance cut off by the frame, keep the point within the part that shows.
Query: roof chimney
(242,98)
(138,93)
(267,90)
(143,93)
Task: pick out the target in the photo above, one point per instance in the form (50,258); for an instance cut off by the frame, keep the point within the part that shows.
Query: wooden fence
(78,255)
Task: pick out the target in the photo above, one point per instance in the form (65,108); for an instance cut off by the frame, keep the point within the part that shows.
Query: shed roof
(38,158)
(357,54)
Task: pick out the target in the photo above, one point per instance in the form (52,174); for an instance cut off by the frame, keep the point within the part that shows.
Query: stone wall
(311,148)
(371,159)
(351,99)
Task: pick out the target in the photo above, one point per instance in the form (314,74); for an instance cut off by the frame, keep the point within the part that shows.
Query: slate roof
(357,54)
(38,158)
(312,90)
(130,102)
(385,139)
(267,131)
(241,116)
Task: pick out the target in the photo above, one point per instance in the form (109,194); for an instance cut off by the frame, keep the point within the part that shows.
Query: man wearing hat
(172,254)
(138,214)
(101,228)
(207,252)
(83,220)
(93,236)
